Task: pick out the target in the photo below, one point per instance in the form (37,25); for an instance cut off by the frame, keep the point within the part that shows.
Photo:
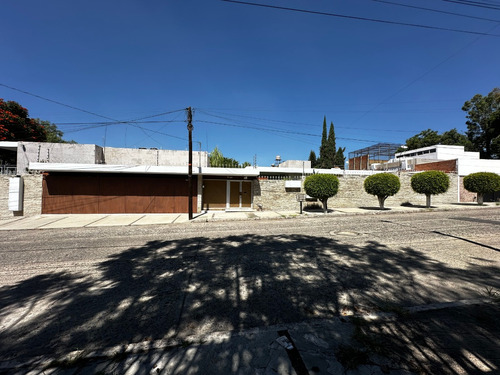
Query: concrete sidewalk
(456,339)
(107,220)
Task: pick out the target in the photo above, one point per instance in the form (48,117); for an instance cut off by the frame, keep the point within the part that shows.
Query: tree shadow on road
(180,288)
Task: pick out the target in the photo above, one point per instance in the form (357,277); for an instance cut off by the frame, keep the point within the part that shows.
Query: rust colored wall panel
(111,204)
(246,194)
(85,204)
(234,194)
(109,193)
(214,194)
(444,166)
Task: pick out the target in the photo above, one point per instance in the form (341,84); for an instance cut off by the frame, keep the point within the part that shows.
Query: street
(89,288)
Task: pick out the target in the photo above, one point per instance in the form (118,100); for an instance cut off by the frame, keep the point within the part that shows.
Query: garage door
(76,193)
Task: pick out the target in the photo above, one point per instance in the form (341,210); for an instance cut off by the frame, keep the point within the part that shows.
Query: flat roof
(9,145)
(141,169)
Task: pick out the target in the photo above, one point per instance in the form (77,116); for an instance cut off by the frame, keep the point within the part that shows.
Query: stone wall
(272,195)
(466,195)
(32,201)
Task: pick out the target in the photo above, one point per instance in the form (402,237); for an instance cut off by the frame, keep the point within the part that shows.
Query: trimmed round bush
(430,183)
(322,187)
(482,183)
(382,185)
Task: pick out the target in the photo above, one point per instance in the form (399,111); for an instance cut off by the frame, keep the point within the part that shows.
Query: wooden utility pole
(190,162)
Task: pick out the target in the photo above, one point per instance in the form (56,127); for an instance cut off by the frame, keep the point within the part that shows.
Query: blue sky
(256,77)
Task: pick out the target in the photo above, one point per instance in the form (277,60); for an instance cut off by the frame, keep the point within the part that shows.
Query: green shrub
(430,183)
(382,185)
(322,187)
(482,183)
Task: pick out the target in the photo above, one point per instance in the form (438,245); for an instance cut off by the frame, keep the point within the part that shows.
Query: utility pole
(190,162)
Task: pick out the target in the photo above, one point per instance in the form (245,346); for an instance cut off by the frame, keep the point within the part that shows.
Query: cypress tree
(330,149)
(312,159)
(323,149)
(339,158)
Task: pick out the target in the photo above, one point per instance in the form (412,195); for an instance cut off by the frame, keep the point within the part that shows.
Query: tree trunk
(381,201)
(428,201)
(480,199)
(325,205)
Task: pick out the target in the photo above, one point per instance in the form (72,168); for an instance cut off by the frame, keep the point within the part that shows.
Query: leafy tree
(54,135)
(483,124)
(313,159)
(339,160)
(217,159)
(322,187)
(15,125)
(382,185)
(454,138)
(423,139)
(431,137)
(430,183)
(482,183)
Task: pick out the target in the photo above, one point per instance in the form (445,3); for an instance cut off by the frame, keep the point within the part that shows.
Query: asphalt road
(88,288)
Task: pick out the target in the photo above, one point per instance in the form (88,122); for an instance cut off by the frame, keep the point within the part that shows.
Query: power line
(435,10)
(304,123)
(116,122)
(158,132)
(478,4)
(283,131)
(102,124)
(422,76)
(89,112)
(338,15)
(59,103)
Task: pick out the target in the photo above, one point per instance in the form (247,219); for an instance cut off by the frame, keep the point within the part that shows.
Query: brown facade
(214,194)
(448,166)
(221,194)
(359,163)
(82,193)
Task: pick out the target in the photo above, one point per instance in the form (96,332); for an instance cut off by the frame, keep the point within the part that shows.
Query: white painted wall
(468,166)
(135,156)
(306,164)
(42,152)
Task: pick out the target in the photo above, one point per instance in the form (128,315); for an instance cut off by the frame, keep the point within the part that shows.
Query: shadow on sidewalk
(173,289)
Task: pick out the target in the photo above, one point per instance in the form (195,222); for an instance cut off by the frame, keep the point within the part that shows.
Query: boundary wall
(272,194)
(32,201)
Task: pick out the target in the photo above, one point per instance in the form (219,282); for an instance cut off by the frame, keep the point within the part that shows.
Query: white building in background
(440,157)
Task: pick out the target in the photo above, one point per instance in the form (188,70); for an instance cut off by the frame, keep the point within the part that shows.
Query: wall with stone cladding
(466,195)
(271,194)
(32,201)
(4,198)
